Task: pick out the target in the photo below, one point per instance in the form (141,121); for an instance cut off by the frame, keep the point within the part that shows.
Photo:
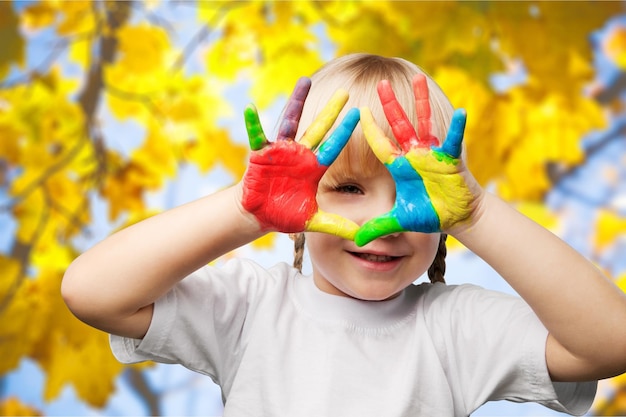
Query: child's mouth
(374,258)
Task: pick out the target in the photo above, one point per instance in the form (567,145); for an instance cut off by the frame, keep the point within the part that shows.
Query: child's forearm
(584,312)
(115,281)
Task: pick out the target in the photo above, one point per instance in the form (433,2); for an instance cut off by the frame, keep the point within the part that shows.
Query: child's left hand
(433,191)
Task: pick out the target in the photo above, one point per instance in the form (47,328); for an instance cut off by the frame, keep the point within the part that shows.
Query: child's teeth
(375,258)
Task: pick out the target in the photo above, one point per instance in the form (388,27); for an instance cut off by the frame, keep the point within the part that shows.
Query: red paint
(280,186)
(400,124)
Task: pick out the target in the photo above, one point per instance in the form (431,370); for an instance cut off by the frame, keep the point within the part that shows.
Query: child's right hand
(280,185)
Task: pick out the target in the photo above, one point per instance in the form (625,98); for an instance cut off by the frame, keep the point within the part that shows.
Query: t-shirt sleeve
(201,322)
(493,347)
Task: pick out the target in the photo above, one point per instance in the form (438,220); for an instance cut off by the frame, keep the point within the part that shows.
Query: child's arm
(584,312)
(113,285)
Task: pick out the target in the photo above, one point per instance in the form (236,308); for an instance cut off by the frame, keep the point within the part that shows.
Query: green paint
(256,136)
(376,228)
(444,157)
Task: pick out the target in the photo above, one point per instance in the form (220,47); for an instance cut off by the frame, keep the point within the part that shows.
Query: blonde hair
(359,74)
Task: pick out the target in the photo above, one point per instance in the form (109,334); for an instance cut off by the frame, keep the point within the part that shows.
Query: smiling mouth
(374,258)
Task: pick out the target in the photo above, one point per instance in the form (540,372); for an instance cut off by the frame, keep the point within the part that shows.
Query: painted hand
(432,194)
(280,185)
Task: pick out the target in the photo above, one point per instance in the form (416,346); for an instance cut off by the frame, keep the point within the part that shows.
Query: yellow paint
(332,224)
(382,147)
(446,188)
(324,121)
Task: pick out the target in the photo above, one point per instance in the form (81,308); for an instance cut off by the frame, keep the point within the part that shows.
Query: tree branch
(138,381)
(47,173)
(21,252)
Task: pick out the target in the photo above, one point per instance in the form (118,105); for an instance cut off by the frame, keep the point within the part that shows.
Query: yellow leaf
(9,147)
(488,139)
(50,254)
(271,41)
(30,213)
(453,244)
(155,159)
(614,46)
(69,351)
(12,50)
(621,282)
(552,32)
(149,165)
(142,48)
(122,194)
(11,273)
(367,26)
(539,213)
(609,227)
(512,137)
(89,366)
(12,406)
(21,329)
(216,147)
(39,15)
(231,53)
(77,17)
(68,201)
(80,52)
(265,242)
(281,71)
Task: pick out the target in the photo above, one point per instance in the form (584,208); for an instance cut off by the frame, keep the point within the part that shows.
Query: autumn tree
(68,68)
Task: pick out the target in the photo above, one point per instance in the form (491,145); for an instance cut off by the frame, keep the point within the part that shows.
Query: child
(357,337)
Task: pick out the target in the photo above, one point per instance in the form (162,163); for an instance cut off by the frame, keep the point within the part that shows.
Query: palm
(280,185)
(282,179)
(431,193)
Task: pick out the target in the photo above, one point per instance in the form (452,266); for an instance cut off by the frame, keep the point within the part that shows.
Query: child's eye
(348,189)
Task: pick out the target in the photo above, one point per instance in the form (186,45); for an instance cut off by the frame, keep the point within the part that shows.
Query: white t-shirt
(278,346)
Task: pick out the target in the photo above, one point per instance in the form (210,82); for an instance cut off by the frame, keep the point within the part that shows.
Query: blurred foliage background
(104,103)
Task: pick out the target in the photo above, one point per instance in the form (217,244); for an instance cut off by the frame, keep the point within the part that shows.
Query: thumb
(378,227)
(333,224)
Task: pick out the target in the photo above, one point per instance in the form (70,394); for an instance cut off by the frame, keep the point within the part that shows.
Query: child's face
(380,269)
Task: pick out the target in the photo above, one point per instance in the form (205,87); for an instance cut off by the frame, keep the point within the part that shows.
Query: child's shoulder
(246,268)
(240,276)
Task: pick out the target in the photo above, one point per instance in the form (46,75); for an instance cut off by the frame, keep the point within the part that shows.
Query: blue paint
(453,144)
(412,210)
(413,207)
(330,149)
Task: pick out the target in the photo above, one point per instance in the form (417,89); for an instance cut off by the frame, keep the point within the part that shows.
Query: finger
(382,147)
(400,124)
(323,122)
(377,227)
(330,149)
(332,224)
(256,136)
(454,140)
(293,110)
(422,108)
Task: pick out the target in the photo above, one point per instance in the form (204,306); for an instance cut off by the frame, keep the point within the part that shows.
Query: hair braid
(437,269)
(298,250)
